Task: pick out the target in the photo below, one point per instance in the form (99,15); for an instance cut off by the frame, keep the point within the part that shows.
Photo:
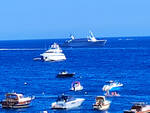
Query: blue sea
(126,60)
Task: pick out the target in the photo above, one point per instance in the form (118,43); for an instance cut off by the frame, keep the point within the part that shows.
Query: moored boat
(101,103)
(139,108)
(14,100)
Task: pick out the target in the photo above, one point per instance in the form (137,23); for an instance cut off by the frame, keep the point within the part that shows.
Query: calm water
(125,60)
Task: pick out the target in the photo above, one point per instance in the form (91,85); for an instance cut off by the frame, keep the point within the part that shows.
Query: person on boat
(107,92)
(112,93)
(115,94)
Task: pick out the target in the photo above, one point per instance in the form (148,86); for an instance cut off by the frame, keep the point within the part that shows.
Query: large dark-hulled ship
(90,41)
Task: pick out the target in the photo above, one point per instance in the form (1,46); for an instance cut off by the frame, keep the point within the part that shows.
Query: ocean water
(126,60)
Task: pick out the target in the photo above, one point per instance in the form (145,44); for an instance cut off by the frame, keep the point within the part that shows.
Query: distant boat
(53,54)
(67,102)
(90,41)
(65,74)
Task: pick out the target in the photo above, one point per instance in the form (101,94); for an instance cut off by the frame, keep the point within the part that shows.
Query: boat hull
(84,43)
(129,111)
(15,105)
(101,107)
(65,75)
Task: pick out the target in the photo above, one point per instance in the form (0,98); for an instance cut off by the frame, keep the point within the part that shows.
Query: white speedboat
(139,108)
(112,86)
(53,54)
(67,102)
(101,103)
(76,86)
(14,100)
(64,74)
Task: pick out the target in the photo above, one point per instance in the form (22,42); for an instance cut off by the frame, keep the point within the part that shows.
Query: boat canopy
(13,96)
(63,72)
(100,98)
(9,95)
(65,98)
(54,46)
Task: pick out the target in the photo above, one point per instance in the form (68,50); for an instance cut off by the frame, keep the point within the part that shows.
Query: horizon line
(75,38)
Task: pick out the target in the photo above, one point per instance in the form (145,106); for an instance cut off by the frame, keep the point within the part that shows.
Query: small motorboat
(101,103)
(139,108)
(14,100)
(76,86)
(65,74)
(113,86)
(67,102)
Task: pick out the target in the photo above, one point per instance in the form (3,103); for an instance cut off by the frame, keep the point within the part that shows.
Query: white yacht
(53,54)
(67,102)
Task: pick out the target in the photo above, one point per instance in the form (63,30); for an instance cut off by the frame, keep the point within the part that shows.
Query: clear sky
(46,19)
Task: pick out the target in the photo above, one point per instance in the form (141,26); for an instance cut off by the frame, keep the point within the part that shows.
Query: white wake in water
(20,49)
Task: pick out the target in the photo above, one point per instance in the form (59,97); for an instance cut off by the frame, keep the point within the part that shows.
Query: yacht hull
(103,107)
(5,104)
(53,58)
(84,43)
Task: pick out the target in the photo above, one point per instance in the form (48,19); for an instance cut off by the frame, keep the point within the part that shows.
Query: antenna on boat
(91,33)
(45,48)
(72,37)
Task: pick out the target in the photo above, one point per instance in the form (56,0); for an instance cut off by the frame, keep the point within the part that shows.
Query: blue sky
(46,19)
